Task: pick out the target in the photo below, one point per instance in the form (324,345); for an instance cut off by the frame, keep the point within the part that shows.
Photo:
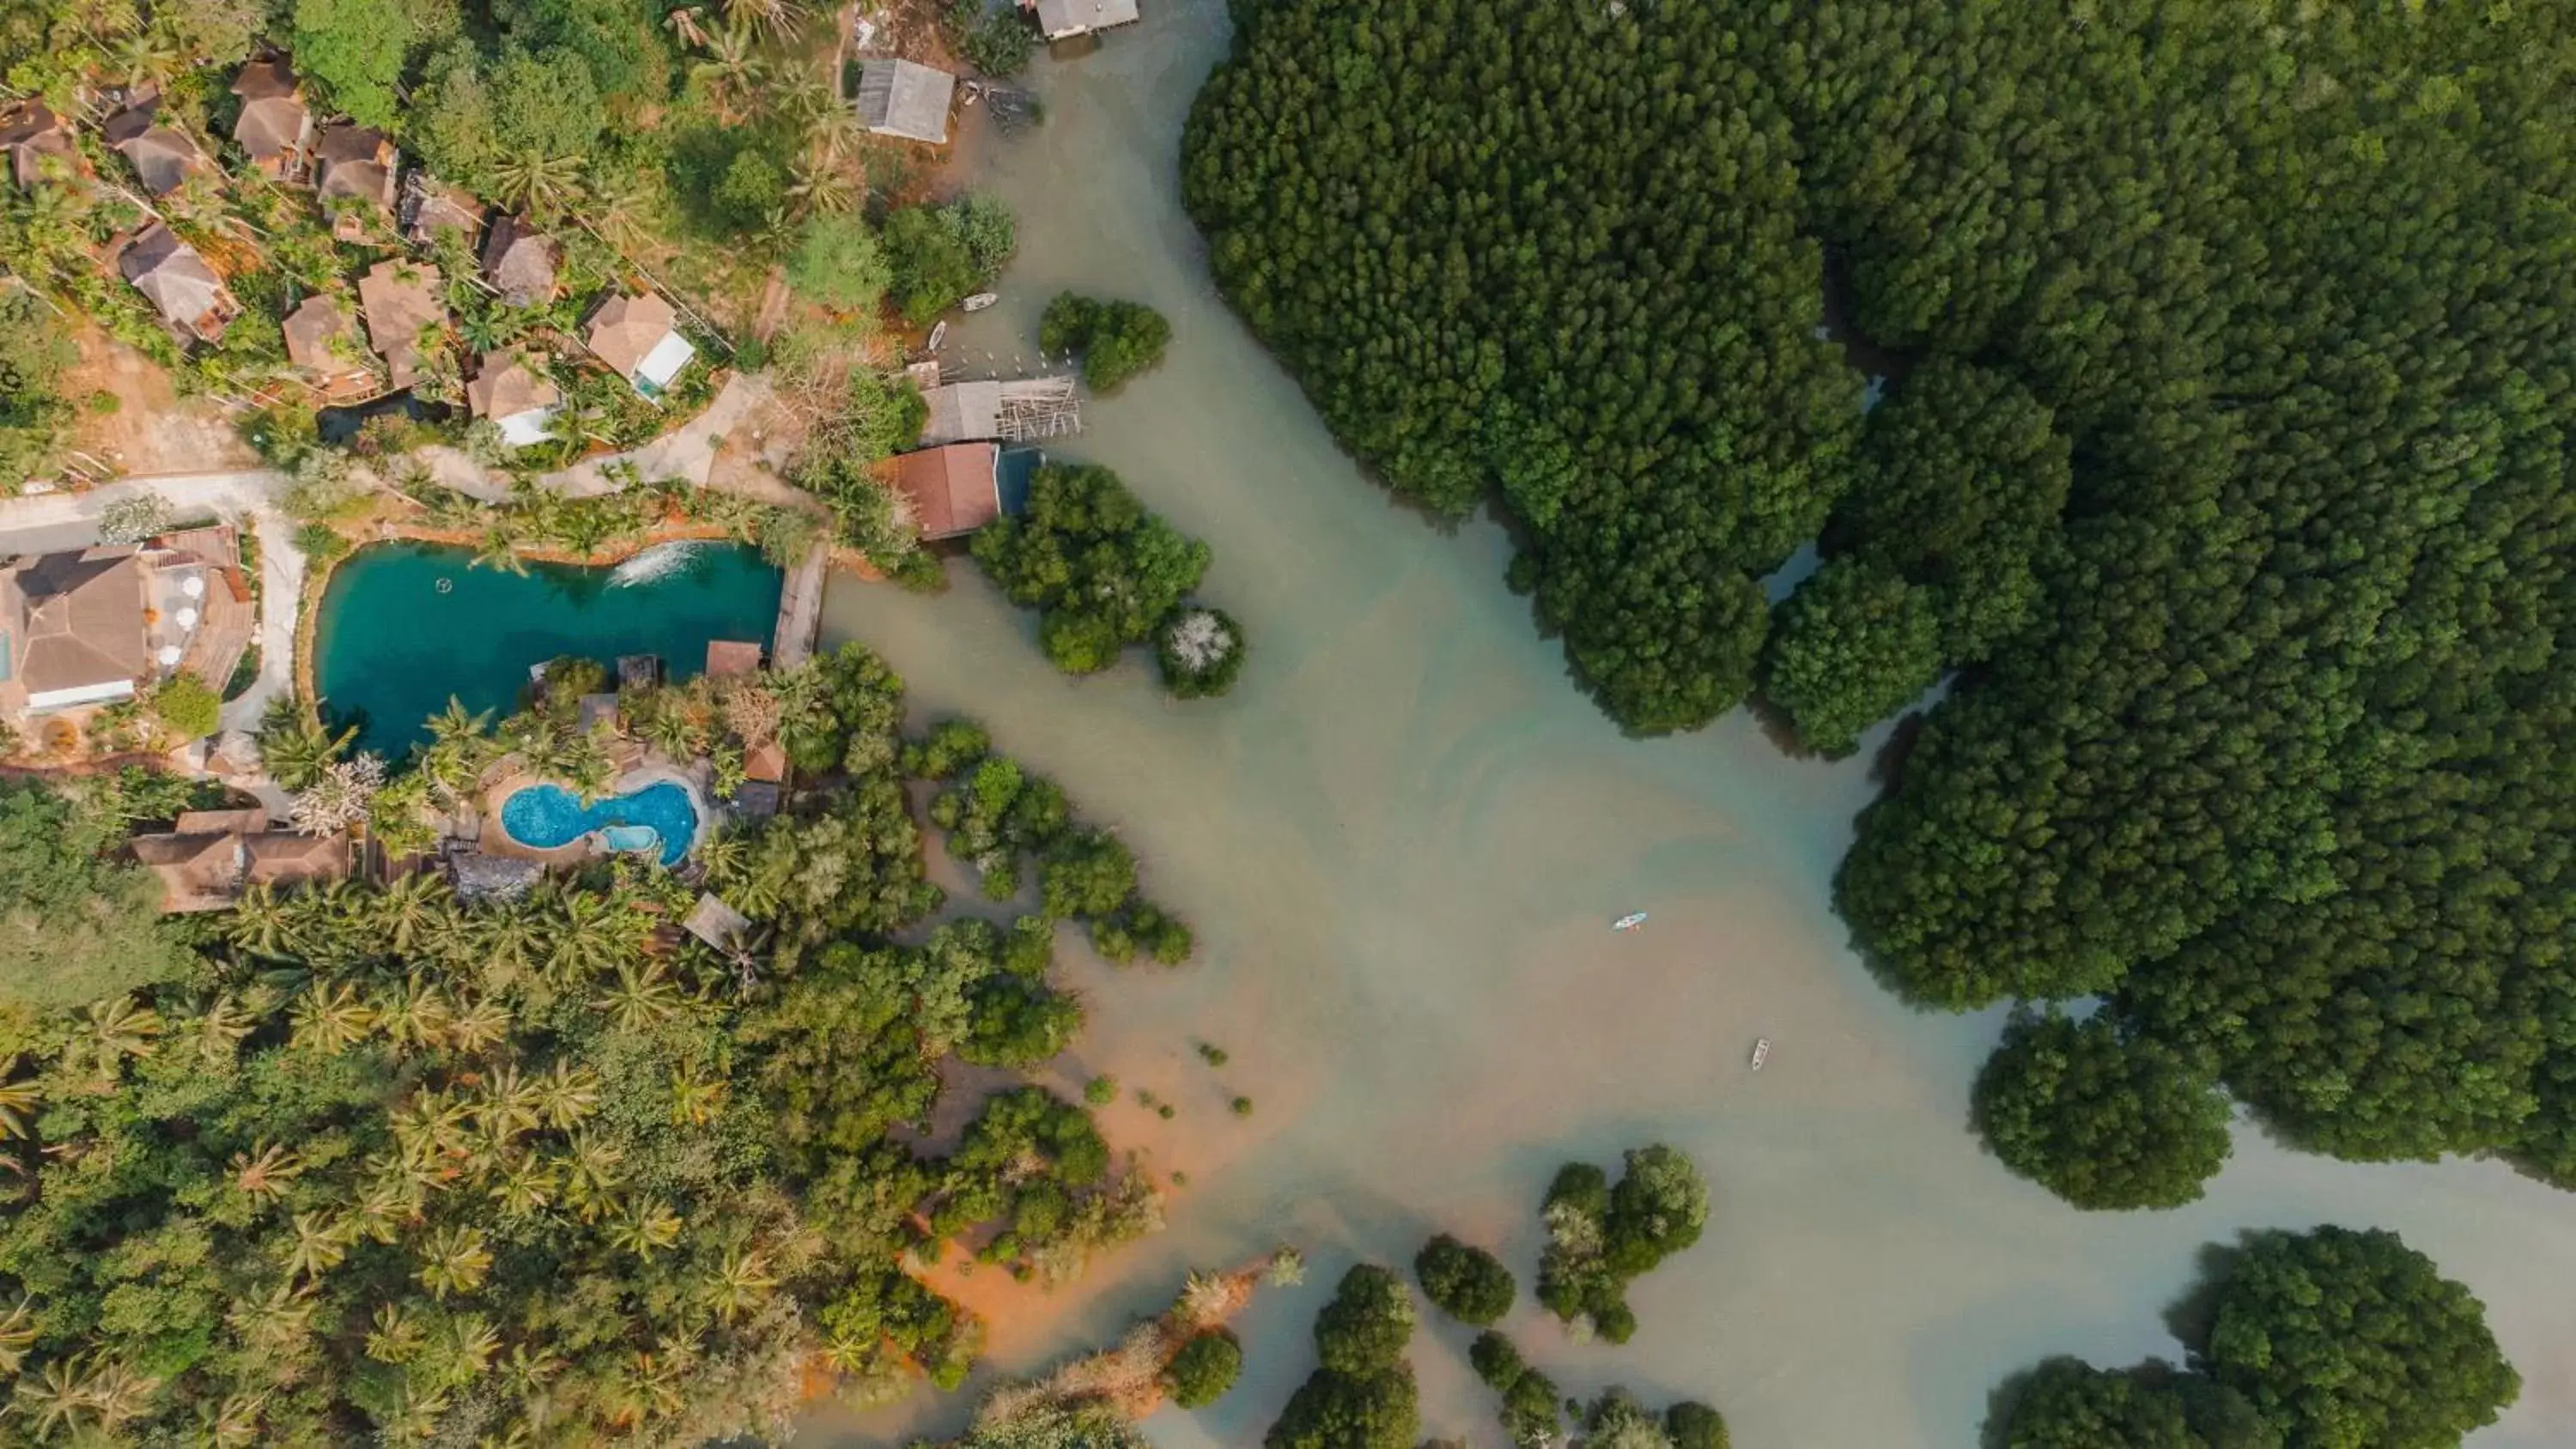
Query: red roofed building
(952,490)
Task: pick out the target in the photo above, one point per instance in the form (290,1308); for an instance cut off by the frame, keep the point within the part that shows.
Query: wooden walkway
(800,610)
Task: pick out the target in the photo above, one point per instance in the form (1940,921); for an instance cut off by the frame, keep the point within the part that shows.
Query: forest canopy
(2224,453)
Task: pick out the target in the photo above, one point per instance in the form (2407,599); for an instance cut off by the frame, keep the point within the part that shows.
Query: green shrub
(1200,650)
(1364,1329)
(1117,340)
(1204,1369)
(187,706)
(1465,1282)
(320,544)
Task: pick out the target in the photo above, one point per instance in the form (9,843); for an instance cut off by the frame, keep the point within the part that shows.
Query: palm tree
(527,1185)
(18,1104)
(144,56)
(649,1229)
(471,1342)
(278,1322)
(395,1337)
(508,939)
(433,1124)
(499,551)
(220,1029)
(731,70)
(567,1093)
(330,1020)
(319,1245)
(777,17)
(687,25)
(266,1172)
(118,1028)
(536,183)
(644,995)
(415,1014)
(824,188)
(695,1100)
(119,1395)
(296,748)
(259,921)
(232,1423)
(739,1284)
(17,1335)
(406,910)
(508,1106)
(453,1260)
(54,1398)
(590,1176)
(479,1025)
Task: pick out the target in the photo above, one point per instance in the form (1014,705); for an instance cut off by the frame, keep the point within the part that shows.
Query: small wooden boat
(938,335)
(980,301)
(1629,922)
(1761,1051)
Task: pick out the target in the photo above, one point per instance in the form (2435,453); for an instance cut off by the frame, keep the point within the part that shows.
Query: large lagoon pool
(544,817)
(404,626)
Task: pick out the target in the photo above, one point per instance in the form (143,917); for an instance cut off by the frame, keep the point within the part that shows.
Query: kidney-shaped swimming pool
(544,817)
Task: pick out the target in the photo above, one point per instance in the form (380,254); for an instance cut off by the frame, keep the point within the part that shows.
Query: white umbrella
(169,655)
(187,618)
(193,586)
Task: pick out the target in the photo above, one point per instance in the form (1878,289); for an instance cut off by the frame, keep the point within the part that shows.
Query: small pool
(544,817)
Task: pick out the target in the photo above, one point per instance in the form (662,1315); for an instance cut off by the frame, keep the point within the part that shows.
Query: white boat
(980,301)
(1629,922)
(1761,1051)
(938,335)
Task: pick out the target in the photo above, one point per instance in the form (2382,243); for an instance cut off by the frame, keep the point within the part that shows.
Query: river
(1403,839)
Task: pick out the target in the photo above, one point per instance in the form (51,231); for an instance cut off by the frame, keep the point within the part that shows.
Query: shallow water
(1403,840)
(404,626)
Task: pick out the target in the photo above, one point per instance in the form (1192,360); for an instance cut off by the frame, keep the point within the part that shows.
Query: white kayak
(1761,1052)
(980,301)
(1629,922)
(938,335)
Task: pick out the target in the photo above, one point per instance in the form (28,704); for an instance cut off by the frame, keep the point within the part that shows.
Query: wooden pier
(800,610)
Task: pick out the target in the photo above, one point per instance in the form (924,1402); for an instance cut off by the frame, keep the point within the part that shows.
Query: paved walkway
(688,451)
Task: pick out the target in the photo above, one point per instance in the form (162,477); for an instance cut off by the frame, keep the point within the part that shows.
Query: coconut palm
(18,1104)
(499,551)
(259,921)
(644,995)
(695,1100)
(278,1321)
(17,1335)
(295,747)
(115,1029)
(778,18)
(389,1200)
(55,1398)
(740,1283)
(220,1029)
(508,1105)
(688,25)
(648,1229)
(119,1394)
(233,1422)
(567,1093)
(267,1171)
(527,1184)
(732,72)
(590,1176)
(318,1246)
(415,1014)
(329,1019)
(536,183)
(405,912)
(479,1025)
(433,1124)
(396,1335)
(453,1260)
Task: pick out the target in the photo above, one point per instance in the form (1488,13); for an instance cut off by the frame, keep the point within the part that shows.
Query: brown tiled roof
(249,820)
(32,133)
(163,158)
(519,263)
(281,857)
(506,385)
(355,161)
(732,658)
(78,617)
(397,310)
(273,119)
(178,282)
(198,872)
(767,763)
(438,207)
(311,329)
(625,328)
(952,490)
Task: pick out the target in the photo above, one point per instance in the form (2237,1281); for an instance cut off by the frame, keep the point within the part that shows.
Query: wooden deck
(800,610)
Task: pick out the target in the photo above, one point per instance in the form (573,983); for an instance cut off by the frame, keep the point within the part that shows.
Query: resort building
(35,140)
(92,626)
(179,284)
(208,857)
(163,157)
(1063,19)
(521,400)
(430,207)
(639,338)
(899,98)
(322,339)
(952,490)
(519,263)
(354,175)
(275,128)
(401,303)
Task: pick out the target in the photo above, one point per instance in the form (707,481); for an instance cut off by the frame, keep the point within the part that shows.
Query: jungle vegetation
(2224,460)
(2304,1341)
(1362,1394)
(367,1162)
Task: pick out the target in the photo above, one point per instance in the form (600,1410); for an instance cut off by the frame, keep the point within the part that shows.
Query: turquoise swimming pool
(547,816)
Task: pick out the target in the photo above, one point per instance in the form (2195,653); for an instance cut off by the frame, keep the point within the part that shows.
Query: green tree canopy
(1204,1369)
(2068,1404)
(2101,1121)
(1102,570)
(75,926)
(1855,644)
(1465,1282)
